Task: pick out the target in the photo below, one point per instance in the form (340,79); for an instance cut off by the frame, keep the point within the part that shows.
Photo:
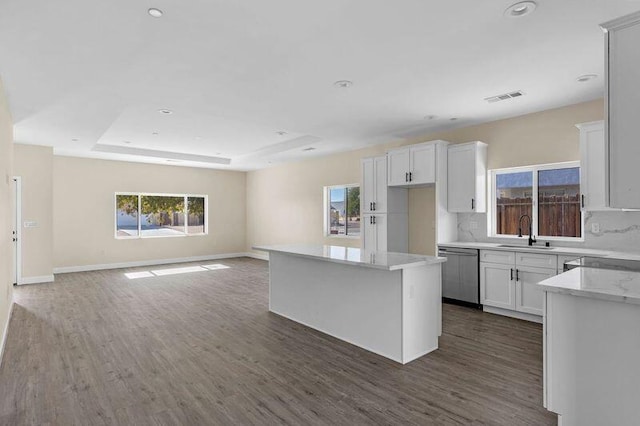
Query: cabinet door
(623,95)
(398,167)
(497,286)
(529,295)
(461,179)
(368,230)
(380,196)
(380,225)
(593,156)
(368,184)
(423,164)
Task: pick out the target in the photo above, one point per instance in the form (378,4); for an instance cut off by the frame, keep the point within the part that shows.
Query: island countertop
(604,284)
(389,261)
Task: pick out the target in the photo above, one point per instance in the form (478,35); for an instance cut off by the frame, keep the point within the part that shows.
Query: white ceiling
(84,76)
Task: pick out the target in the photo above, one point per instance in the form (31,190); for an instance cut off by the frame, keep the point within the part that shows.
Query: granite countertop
(389,261)
(605,284)
(552,250)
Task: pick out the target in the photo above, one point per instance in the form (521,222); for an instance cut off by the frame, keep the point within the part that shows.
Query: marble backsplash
(619,231)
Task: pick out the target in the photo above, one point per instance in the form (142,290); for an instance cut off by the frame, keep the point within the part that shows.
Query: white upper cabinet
(412,165)
(377,197)
(623,101)
(467,177)
(593,154)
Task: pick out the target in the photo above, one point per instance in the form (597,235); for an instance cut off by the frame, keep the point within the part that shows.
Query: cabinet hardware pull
(583,201)
(517,275)
(406,177)
(370,206)
(374,206)
(410,176)
(374,220)
(511,270)
(370,220)
(473,203)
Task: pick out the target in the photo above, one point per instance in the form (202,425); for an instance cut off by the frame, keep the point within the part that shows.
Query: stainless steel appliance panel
(460,275)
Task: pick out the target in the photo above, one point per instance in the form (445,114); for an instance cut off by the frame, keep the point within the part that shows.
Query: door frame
(17,229)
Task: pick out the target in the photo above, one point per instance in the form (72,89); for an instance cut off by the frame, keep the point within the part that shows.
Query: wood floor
(201,348)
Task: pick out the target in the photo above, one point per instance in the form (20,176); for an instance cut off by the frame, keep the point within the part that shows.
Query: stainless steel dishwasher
(460,276)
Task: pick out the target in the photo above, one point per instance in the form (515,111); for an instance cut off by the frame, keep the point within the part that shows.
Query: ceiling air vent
(504,97)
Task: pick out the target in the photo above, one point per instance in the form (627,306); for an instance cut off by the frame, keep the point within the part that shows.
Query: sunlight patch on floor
(174,271)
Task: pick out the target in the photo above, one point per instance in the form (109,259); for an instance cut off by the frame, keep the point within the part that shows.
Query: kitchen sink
(525,247)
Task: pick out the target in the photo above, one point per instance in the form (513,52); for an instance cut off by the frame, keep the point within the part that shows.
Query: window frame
(534,169)
(326,211)
(160,194)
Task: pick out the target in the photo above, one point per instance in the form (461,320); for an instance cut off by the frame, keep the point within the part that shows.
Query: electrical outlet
(473,225)
(595,228)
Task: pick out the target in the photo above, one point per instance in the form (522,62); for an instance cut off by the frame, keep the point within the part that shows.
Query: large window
(342,210)
(160,215)
(548,195)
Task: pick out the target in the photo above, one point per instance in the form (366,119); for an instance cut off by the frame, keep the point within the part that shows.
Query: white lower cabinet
(496,285)
(529,296)
(510,282)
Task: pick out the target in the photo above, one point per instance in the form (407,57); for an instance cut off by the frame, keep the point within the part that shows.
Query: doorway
(17,234)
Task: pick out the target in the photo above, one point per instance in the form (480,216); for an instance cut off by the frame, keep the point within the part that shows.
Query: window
(160,215)
(342,210)
(548,194)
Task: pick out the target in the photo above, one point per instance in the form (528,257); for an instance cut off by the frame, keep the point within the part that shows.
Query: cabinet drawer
(537,260)
(497,256)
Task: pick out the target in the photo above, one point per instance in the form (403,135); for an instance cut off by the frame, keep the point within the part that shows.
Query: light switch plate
(30,224)
(595,228)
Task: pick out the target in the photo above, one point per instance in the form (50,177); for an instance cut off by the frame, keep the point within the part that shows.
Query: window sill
(346,237)
(150,237)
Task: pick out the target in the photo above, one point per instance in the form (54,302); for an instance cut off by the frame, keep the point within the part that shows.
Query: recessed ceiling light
(430,117)
(74,140)
(154,133)
(453,118)
(309,149)
(520,9)
(127,142)
(281,133)
(218,153)
(343,84)
(165,111)
(156,13)
(586,77)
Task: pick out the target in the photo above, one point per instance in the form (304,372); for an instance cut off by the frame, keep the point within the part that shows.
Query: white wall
(84,209)
(34,164)
(6,217)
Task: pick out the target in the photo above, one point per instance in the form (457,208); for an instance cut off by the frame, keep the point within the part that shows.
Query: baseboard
(5,332)
(261,256)
(120,265)
(512,314)
(36,280)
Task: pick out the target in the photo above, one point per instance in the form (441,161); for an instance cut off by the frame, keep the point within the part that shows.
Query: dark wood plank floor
(201,348)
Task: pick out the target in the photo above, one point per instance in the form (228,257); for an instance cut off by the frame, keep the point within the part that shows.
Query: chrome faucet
(532,238)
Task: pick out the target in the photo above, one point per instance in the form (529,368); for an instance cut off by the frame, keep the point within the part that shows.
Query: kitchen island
(387,303)
(592,343)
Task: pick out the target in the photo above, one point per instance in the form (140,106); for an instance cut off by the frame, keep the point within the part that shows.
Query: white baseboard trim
(5,332)
(512,314)
(36,280)
(261,256)
(120,265)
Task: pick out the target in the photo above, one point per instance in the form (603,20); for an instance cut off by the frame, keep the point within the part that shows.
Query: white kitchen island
(592,345)
(387,303)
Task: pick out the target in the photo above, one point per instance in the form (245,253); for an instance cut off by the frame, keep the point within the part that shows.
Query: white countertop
(354,256)
(579,252)
(604,284)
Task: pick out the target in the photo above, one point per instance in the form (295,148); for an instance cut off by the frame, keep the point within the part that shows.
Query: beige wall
(284,203)
(34,164)
(6,209)
(84,211)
